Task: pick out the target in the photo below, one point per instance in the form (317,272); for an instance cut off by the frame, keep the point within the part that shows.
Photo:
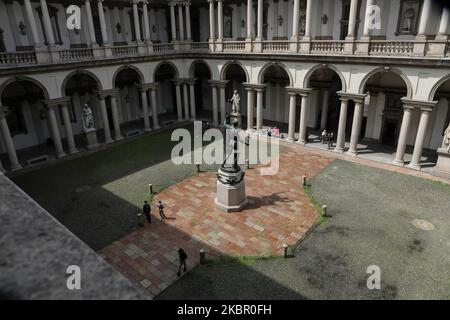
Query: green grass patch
(320,217)
(243,260)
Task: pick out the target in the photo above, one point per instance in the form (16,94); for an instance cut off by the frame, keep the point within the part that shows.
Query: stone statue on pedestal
(88,119)
(446,140)
(236,101)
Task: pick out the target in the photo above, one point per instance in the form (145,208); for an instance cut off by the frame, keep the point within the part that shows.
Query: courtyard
(378,218)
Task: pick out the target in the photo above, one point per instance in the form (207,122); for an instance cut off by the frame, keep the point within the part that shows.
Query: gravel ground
(375,214)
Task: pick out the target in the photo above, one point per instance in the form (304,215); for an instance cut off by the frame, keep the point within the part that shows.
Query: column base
(352,153)
(16,167)
(148,130)
(301,142)
(338,150)
(156,127)
(398,163)
(414,166)
(290,139)
(73,151)
(108,141)
(119,138)
(60,155)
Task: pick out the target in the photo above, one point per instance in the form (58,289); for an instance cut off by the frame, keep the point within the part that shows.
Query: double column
(8,141)
(145,89)
(259,105)
(181,23)
(112,94)
(215,106)
(425,108)
(250,105)
(304,93)
(187,102)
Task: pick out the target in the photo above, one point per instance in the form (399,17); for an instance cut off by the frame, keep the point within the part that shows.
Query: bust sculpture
(88,118)
(446,140)
(236,99)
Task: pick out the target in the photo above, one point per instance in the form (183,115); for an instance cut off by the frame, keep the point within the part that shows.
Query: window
(53,13)
(408,18)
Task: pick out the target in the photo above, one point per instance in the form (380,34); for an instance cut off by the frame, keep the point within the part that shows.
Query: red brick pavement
(279,213)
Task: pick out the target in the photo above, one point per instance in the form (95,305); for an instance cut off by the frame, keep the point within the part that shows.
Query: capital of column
(191,81)
(53,103)
(178,82)
(102,94)
(148,86)
(304,92)
(426,106)
(357,97)
(218,83)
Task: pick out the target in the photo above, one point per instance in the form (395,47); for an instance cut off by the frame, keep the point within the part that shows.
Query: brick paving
(279,212)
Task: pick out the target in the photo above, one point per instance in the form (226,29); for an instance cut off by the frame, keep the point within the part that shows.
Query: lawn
(377,218)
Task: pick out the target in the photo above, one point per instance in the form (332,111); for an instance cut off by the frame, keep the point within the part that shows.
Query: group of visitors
(273,131)
(327,138)
(148,211)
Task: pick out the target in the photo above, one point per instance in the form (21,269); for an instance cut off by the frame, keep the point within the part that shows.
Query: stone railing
(327,46)
(76,54)
(163,47)
(120,51)
(276,46)
(233,46)
(200,46)
(26,57)
(394,48)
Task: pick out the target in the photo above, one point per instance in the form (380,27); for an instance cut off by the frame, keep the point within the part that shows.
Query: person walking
(183,257)
(161,210)
(147,211)
(324,136)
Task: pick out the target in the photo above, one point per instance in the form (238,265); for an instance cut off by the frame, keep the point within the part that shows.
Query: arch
(174,67)
(124,67)
(437,86)
(226,65)
(387,69)
(276,64)
(331,67)
(23,78)
(194,63)
(79,71)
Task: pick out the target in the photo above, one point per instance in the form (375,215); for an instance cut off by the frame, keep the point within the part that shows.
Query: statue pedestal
(234,116)
(91,139)
(442,168)
(230,190)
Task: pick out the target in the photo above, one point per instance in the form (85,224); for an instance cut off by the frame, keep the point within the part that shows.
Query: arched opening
(383,109)
(324,101)
(130,109)
(275,106)
(203,99)
(27,128)
(165,76)
(441,115)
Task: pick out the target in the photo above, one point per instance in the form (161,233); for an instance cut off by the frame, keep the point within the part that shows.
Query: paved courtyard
(279,213)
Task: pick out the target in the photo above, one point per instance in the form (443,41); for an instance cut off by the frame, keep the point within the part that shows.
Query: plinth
(234,116)
(231,190)
(91,139)
(442,167)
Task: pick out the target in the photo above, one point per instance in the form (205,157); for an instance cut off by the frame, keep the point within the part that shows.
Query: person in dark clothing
(161,210)
(183,257)
(147,211)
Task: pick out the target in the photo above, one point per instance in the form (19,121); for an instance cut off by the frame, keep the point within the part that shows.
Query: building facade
(375,70)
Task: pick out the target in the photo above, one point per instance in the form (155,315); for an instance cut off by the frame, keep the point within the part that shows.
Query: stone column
(424,16)
(260,20)
(425,114)
(32,21)
(186,101)
(296,20)
(8,141)
(192,98)
(352,19)
(145,109)
(180,21)
(212,22)
(443,26)
(356,128)
(340,140)
(292,106)
(47,24)
(222,101)
(259,108)
(101,17)
(55,131)
(250,106)
(308,20)
(90,21)
(115,115)
(188,21)
(146,22)
(137,28)
(178,97)
(172,21)
(220,20)
(68,128)
(215,104)
(366,32)
(324,116)
(403,137)
(249,19)
(303,115)
(104,113)
(154,108)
